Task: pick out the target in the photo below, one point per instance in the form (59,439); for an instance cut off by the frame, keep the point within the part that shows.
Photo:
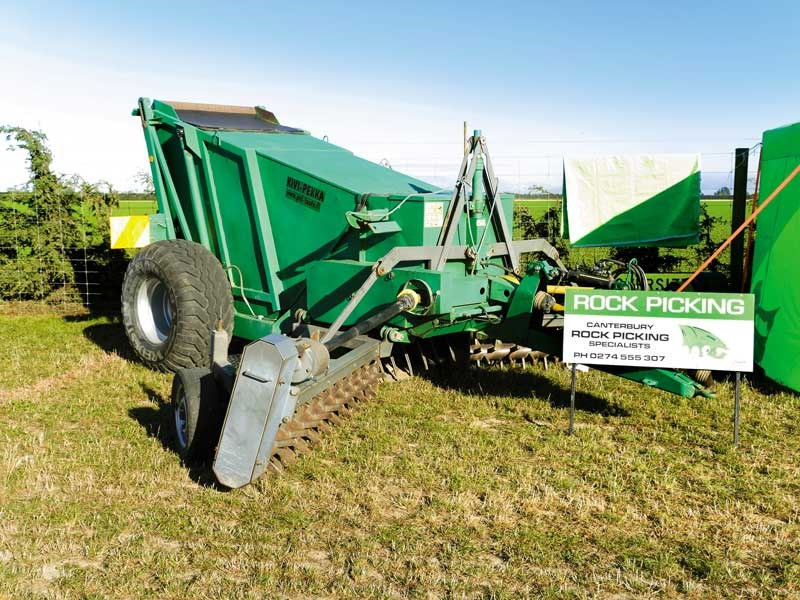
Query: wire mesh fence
(63,257)
(59,256)
(536,180)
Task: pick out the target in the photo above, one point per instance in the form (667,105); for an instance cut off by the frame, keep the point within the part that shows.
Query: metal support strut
(403,303)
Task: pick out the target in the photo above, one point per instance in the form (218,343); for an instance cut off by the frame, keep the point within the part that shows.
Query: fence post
(738,209)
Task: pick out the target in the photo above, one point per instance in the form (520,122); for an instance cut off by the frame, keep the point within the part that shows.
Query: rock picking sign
(674,330)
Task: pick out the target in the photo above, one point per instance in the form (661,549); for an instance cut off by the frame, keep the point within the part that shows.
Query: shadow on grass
(515,383)
(90,315)
(158,422)
(759,381)
(110,337)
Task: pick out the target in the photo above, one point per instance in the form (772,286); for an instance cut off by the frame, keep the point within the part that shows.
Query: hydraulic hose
(589,279)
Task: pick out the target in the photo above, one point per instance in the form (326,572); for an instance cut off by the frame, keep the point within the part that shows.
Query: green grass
(455,485)
(135,204)
(716,208)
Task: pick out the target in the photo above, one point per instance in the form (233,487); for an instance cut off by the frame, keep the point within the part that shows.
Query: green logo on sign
(705,342)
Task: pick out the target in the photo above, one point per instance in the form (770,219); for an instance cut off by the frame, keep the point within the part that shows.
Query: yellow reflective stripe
(130,232)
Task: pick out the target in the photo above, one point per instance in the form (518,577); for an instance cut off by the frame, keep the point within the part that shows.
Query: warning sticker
(434,214)
(130,232)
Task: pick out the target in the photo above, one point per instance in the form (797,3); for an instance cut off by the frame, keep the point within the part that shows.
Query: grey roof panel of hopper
(230,118)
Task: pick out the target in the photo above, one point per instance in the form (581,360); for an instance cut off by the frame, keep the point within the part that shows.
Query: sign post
(572,401)
(737,395)
(667,330)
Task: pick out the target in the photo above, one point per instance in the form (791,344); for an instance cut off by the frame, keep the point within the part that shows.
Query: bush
(54,224)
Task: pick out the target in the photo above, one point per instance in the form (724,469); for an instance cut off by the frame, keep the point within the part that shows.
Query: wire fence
(530,168)
(59,256)
(64,258)
(537,179)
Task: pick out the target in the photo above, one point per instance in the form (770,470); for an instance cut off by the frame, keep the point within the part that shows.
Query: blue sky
(397,80)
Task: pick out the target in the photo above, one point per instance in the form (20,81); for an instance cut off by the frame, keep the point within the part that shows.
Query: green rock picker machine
(338,271)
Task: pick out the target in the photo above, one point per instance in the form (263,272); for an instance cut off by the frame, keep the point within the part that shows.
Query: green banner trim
(673,305)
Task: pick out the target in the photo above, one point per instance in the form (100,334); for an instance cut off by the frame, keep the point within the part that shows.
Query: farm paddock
(448,485)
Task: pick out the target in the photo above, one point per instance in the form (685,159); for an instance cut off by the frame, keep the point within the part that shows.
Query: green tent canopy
(776,262)
(631,200)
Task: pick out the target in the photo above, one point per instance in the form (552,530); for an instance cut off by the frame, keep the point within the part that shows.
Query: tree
(538,190)
(547,227)
(723,192)
(48,224)
(145,181)
(43,249)
(707,244)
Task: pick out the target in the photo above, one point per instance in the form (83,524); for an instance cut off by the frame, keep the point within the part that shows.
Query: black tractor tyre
(198,412)
(174,294)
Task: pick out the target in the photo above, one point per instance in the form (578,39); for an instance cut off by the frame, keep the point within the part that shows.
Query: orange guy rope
(741,227)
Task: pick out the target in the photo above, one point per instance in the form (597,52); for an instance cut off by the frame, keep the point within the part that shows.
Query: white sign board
(674,330)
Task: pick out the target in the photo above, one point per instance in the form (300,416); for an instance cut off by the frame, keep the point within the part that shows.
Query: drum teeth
(500,352)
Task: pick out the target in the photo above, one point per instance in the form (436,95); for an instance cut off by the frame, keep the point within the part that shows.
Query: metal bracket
(224,372)
(476,146)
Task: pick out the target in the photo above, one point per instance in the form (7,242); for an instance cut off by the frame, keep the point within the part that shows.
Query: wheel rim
(154,310)
(180,420)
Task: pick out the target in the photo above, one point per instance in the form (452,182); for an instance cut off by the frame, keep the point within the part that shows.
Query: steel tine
(408,362)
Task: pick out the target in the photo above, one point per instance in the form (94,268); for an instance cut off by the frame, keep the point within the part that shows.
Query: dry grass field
(458,484)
